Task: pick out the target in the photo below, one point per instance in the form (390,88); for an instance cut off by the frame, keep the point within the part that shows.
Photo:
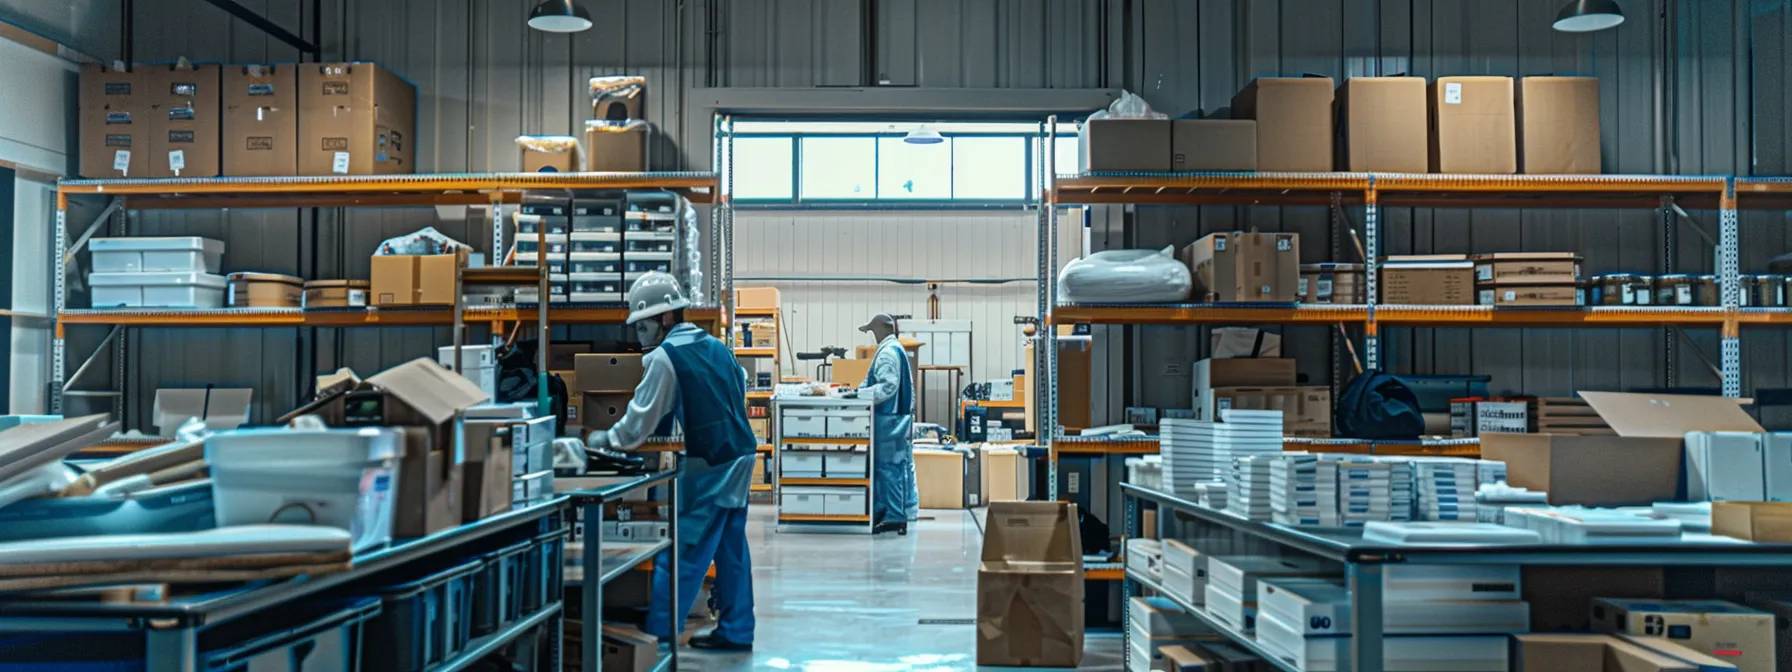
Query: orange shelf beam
(1412,316)
(755,352)
(1392,189)
(355,190)
(1104,574)
(371,317)
(1072,446)
(992,403)
(1210,314)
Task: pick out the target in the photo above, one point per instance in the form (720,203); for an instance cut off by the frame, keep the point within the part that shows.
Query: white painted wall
(35,127)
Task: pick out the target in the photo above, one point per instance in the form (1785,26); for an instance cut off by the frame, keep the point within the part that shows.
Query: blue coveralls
(710,404)
(898,497)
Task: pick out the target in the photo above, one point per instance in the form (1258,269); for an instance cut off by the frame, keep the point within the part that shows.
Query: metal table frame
(1363,562)
(591,590)
(171,630)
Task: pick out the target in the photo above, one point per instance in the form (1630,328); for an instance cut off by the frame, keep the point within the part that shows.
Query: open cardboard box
(1030,586)
(1639,466)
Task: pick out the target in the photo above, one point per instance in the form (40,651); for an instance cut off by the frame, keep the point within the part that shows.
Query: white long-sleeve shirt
(655,396)
(885,380)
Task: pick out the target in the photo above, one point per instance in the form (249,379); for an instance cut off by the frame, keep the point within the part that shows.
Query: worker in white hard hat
(692,378)
(890,386)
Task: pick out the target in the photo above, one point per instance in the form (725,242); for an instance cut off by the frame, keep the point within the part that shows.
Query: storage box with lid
(265,290)
(157,290)
(849,424)
(145,253)
(845,502)
(846,464)
(803,423)
(804,500)
(343,478)
(802,463)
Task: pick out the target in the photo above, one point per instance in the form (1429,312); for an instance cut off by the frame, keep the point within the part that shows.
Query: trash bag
(1126,276)
(1376,405)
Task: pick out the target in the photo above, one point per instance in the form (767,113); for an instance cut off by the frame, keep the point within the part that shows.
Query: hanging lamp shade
(923,136)
(1586,16)
(559,16)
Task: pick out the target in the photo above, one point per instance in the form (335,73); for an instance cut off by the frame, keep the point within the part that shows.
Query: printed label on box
(261,89)
(177,160)
(1284,244)
(1219,244)
(340,165)
(1453,93)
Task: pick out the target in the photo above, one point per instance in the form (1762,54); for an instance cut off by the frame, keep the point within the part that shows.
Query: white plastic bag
(1130,106)
(1125,276)
(425,241)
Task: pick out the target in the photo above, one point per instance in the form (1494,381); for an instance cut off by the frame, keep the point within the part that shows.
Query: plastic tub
(142,254)
(546,569)
(648,265)
(424,622)
(337,477)
(596,262)
(303,638)
(805,423)
(649,242)
(527,225)
(849,424)
(498,588)
(184,507)
(607,243)
(801,464)
(157,290)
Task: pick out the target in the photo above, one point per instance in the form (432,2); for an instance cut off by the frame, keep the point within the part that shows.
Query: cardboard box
(114,122)
(1240,266)
(540,161)
(261,120)
(1682,654)
(1527,268)
(1294,122)
(1075,382)
(1767,522)
(563,355)
(602,410)
(1778,603)
(486,483)
(621,98)
(1306,411)
(1532,295)
(567,376)
(629,650)
(355,119)
(1549,652)
(1738,634)
(1125,144)
(756,298)
(940,477)
(1213,144)
(1639,466)
(265,290)
(414,280)
(1382,125)
(184,126)
(1428,280)
(619,372)
(851,372)
(1243,372)
(336,293)
(1006,475)
(1558,125)
(1030,586)
(621,150)
(1473,126)
(428,498)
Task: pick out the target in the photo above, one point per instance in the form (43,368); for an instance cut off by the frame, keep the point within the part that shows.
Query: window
(906,171)
(839,168)
(762,168)
(992,169)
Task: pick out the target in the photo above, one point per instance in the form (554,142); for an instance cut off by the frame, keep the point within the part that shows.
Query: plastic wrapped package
(1129,106)
(608,126)
(625,89)
(1125,276)
(424,241)
(693,254)
(547,143)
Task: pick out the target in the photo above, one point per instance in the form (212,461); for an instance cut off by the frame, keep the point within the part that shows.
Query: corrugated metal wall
(484,78)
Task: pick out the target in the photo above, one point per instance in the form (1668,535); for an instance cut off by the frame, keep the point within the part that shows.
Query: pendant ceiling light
(923,136)
(1585,16)
(559,16)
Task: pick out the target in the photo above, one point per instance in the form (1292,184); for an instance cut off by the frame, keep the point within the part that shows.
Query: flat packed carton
(1737,634)
(1382,125)
(1527,268)
(414,279)
(1030,586)
(1428,280)
(1532,295)
(1558,125)
(1639,466)
(1213,144)
(756,298)
(1551,652)
(355,119)
(1235,267)
(184,124)
(1294,122)
(336,293)
(1473,126)
(261,120)
(939,475)
(1075,382)
(1125,144)
(621,150)
(619,372)
(486,480)
(265,290)
(114,122)
(1767,522)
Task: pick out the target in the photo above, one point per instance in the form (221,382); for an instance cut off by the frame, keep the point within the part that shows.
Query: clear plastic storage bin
(800,464)
(157,290)
(596,262)
(144,254)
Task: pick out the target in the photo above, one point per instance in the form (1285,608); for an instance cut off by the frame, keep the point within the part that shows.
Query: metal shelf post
(1047,431)
(1372,245)
(1729,285)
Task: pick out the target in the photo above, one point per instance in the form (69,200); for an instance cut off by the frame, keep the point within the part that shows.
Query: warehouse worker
(693,377)
(891,389)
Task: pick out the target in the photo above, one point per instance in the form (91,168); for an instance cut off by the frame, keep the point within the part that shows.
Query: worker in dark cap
(891,389)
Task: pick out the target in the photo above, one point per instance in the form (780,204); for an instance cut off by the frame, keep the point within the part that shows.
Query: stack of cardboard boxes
(1245,267)
(616,136)
(1428,280)
(1529,279)
(1262,383)
(207,120)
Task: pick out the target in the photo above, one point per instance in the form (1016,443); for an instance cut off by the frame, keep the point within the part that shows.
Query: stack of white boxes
(594,252)
(1145,557)
(1304,490)
(1184,572)
(1372,488)
(1435,617)
(1188,455)
(174,272)
(1158,623)
(541,232)
(1232,584)
(1578,525)
(478,363)
(1445,488)
(1248,488)
(1211,495)
(650,234)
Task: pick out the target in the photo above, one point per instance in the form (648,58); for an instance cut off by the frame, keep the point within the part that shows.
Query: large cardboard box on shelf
(1473,126)
(114,122)
(849,371)
(1553,652)
(1213,144)
(265,290)
(1558,125)
(1766,522)
(1306,411)
(1075,382)
(1006,475)
(1125,144)
(618,373)
(1237,266)
(939,474)
(1639,466)
(1742,636)
(1382,125)
(1527,268)
(756,298)
(1428,280)
(261,120)
(1030,586)
(550,160)
(414,279)
(336,293)
(1294,121)
(355,119)
(184,125)
(621,150)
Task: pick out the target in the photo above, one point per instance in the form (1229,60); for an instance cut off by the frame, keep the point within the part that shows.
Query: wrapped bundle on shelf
(1125,276)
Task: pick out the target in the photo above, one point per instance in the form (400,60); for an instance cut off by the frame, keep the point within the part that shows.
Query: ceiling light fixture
(559,16)
(1586,16)
(923,135)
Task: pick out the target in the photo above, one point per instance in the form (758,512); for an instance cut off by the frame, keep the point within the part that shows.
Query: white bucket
(342,478)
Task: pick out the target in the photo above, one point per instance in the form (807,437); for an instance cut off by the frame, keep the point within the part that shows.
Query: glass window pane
(762,168)
(1068,162)
(989,169)
(906,171)
(839,168)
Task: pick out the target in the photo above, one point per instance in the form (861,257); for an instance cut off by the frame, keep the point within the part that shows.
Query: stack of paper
(1374,488)
(1445,488)
(1578,525)
(1693,516)
(1189,456)
(1249,487)
(1492,500)
(1211,495)
(1304,490)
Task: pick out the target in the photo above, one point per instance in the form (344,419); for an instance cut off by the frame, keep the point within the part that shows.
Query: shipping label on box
(1527,268)
(1473,126)
(261,120)
(114,115)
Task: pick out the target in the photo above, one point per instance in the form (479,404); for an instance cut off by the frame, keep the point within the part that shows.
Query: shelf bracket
(112,208)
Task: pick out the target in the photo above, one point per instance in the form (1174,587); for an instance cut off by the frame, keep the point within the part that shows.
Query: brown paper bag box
(355,119)
(114,125)
(1030,586)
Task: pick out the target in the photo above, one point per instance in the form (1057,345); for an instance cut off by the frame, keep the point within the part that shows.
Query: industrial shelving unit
(492,189)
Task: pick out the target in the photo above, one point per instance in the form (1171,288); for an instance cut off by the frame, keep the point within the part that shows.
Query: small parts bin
(143,254)
(546,570)
(422,623)
(173,289)
(306,638)
(498,588)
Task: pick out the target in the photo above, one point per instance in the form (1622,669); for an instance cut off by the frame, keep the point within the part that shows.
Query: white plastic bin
(804,423)
(845,465)
(844,502)
(803,500)
(157,290)
(144,254)
(343,478)
(849,424)
(797,464)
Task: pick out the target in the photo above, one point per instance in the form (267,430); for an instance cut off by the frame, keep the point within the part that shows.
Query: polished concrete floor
(856,603)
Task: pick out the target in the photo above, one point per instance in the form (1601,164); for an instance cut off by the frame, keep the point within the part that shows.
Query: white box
(644,530)
(803,500)
(157,290)
(1399,654)
(1001,390)
(1145,556)
(1317,607)
(1185,559)
(800,464)
(1776,458)
(803,423)
(1401,582)
(1158,617)
(143,254)
(1239,573)
(1724,467)
(849,424)
(1148,650)
(343,478)
(1230,609)
(844,502)
(1183,586)
(471,356)
(840,464)
(219,408)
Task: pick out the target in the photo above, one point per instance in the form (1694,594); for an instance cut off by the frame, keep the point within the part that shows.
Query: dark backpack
(1378,406)
(517,381)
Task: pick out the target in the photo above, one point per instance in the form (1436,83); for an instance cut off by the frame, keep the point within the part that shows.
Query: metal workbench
(171,630)
(598,569)
(1363,562)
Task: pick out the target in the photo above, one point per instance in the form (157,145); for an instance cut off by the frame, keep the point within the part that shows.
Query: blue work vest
(712,404)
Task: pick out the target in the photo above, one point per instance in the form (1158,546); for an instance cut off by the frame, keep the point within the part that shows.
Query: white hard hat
(653,294)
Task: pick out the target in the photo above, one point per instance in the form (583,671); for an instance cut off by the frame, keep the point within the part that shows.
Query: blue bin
(186,507)
(498,588)
(547,571)
(311,639)
(424,622)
